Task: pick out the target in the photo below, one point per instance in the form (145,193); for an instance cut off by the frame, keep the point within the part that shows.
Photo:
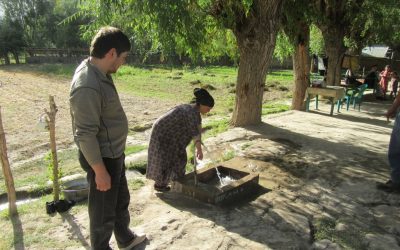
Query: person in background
(393,184)
(385,77)
(351,79)
(100,129)
(394,83)
(372,78)
(170,136)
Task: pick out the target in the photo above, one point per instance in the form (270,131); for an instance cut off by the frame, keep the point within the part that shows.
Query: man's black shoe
(50,207)
(63,205)
(388,187)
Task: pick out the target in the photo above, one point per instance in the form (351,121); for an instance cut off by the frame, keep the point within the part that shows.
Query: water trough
(213,187)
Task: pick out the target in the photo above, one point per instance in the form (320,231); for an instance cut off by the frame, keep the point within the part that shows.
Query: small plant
(138,166)
(189,167)
(228,155)
(49,160)
(325,228)
(244,146)
(135,184)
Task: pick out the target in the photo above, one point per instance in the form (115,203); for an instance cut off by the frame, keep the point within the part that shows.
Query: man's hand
(102,177)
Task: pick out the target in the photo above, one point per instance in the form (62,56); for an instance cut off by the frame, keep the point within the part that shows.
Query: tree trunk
(16,57)
(253,65)
(12,197)
(6,59)
(256,37)
(301,67)
(335,49)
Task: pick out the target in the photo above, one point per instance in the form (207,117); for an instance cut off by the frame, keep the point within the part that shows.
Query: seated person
(351,79)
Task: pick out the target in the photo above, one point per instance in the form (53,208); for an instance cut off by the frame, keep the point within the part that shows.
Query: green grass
(272,108)
(65,70)
(135,184)
(177,83)
(131,149)
(138,166)
(34,174)
(228,155)
(173,83)
(214,127)
(351,238)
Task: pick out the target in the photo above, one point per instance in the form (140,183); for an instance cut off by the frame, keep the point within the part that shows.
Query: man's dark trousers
(108,211)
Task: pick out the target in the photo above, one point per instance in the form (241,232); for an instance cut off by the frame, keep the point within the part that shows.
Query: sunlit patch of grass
(351,238)
(37,226)
(34,173)
(230,154)
(174,83)
(135,184)
(245,145)
(131,149)
(65,70)
(138,166)
(214,127)
(272,108)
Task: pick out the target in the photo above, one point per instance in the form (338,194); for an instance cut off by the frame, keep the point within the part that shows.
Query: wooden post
(12,197)
(51,122)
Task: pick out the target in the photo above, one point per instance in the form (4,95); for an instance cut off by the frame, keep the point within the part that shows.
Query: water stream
(224,180)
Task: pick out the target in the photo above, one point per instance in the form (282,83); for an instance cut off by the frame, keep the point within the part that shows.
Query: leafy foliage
(49,159)
(317,44)
(167,28)
(35,24)
(11,37)
(284,48)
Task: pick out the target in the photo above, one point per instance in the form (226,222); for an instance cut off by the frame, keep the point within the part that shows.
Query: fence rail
(57,52)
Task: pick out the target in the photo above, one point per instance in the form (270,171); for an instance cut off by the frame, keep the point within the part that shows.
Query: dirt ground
(23,98)
(317,178)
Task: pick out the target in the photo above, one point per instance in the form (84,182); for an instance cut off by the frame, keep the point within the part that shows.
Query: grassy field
(177,83)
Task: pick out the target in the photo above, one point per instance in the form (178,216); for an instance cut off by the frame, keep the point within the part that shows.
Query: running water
(224,180)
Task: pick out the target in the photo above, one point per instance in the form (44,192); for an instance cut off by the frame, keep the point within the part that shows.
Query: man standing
(393,185)
(100,129)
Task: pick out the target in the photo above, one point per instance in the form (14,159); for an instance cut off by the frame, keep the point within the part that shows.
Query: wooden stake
(51,121)
(12,197)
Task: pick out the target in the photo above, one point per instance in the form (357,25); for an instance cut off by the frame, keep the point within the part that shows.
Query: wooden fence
(53,55)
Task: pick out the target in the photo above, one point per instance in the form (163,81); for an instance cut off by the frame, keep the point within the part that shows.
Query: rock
(325,245)
(288,221)
(195,82)
(264,150)
(381,242)
(135,158)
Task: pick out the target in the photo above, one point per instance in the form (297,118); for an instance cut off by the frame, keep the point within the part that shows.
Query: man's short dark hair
(108,38)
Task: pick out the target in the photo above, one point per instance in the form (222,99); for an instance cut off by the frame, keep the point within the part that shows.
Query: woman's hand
(199,150)
(199,153)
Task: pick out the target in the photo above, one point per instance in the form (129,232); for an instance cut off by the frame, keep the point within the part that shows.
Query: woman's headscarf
(203,97)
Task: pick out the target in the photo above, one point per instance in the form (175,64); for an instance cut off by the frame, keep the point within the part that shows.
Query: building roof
(380,51)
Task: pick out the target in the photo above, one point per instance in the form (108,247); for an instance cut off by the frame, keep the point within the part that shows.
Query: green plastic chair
(355,96)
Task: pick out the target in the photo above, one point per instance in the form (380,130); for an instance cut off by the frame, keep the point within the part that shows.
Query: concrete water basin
(236,184)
